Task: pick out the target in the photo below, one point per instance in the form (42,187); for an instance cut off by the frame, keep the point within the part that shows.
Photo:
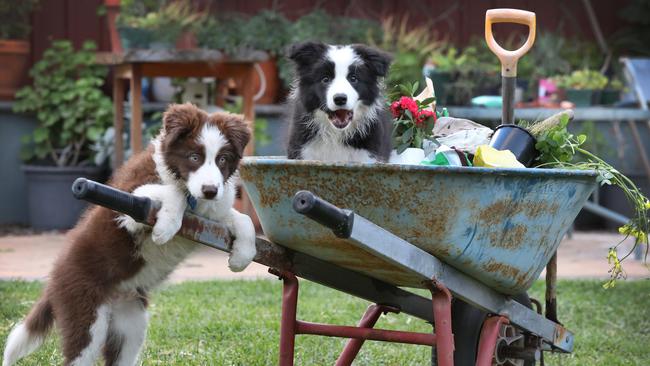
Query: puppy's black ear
(181,119)
(305,53)
(378,61)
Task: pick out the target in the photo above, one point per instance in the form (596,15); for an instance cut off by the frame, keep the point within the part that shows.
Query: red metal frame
(369,320)
(488,341)
(443,339)
(442,322)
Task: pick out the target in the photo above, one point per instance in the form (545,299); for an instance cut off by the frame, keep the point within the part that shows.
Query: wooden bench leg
(118,121)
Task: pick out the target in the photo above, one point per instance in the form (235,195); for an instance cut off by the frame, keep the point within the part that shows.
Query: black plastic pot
(50,204)
(516,139)
(440,80)
(580,97)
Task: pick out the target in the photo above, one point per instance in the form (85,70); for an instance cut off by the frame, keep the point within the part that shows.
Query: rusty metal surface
(498,226)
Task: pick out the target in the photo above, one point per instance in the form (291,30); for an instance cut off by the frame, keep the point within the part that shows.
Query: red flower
(410,105)
(395,109)
(424,115)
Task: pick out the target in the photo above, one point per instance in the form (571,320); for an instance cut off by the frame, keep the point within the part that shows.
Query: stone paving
(31,257)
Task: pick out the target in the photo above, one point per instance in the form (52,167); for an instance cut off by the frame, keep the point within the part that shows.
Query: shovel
(508,58)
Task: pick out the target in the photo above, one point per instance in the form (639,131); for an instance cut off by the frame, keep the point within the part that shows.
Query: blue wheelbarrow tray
(499,226)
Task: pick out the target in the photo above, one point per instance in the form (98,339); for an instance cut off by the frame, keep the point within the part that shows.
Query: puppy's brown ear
(182,119)
(235,128)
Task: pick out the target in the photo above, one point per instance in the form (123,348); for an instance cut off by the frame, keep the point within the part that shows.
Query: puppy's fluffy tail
(27,336)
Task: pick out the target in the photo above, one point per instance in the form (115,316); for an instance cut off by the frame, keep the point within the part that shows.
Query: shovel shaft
(508,95)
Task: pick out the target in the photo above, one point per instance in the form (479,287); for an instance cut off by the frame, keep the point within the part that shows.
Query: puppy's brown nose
(209,191)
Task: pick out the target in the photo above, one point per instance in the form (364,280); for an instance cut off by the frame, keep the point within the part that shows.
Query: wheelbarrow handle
(508,58)
(139,208)
(325,213)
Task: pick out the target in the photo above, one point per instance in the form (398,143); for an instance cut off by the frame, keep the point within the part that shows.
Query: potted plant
(580,85)
(72,113)
(268,31)
(413,122)
(14,46)
(612,93)
(441,69)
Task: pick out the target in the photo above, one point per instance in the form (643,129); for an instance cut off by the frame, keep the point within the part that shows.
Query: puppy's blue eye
(325,79)
(195,157)
(221,161)
(352,78)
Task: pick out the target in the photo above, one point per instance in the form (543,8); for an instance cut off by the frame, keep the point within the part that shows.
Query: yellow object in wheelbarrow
(489,157)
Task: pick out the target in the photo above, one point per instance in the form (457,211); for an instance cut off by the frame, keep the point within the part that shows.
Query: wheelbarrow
(476,238)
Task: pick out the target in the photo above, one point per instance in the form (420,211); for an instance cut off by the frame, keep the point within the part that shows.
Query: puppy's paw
(165,228)
(128,223)
(242,254)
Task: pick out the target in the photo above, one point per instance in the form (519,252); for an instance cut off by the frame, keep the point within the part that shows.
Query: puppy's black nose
(340,99)
(209,191)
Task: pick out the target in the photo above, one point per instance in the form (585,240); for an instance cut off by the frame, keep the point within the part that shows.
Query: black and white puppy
(338,111)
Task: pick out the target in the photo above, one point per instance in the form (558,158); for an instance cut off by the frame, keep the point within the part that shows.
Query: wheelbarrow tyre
(466,324)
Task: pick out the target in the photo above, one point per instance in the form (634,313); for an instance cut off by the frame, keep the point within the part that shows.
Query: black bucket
(516,139)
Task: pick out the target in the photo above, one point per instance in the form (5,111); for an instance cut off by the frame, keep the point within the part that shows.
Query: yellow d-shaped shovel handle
(509,58)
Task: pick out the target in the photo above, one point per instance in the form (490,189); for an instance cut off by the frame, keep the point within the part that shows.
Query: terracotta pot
(14,58)
(270,71)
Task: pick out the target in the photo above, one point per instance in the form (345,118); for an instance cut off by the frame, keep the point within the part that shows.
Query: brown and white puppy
(97,292)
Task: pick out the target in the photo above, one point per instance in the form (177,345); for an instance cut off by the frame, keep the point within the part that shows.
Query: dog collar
(191,201)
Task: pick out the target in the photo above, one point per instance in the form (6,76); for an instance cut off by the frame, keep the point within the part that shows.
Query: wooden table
(133,65)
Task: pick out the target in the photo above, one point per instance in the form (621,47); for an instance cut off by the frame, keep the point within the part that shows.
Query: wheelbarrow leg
(442,322)
(288,322)
(488,340)
(368,320)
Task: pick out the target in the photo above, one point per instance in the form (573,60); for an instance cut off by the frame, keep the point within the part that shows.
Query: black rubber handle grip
(325,213)
(136,207)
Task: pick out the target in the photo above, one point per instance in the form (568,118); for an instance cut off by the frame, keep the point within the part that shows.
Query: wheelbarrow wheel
(466,323)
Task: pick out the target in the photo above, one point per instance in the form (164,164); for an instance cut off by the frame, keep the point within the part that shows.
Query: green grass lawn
(237,323)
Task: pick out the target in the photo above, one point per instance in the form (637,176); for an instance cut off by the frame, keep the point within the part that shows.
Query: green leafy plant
(410,46)
(448,60)
(14,18)
(546,58)
(167,23)
(313,26)
(268,31)
(477,72)
(583,80)
(616,84)
(68,102)
(558,148)
(412,121)
(357,30)
(225,33)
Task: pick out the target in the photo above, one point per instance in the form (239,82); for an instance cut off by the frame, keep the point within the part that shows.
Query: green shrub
(67,100)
